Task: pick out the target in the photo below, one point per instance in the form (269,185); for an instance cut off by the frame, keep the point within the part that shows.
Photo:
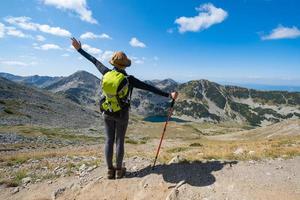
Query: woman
(116,124)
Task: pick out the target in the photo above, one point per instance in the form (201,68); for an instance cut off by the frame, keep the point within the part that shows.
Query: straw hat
(120,60)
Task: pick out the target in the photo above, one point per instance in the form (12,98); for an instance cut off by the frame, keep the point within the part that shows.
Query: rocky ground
(197,161)
(210,179)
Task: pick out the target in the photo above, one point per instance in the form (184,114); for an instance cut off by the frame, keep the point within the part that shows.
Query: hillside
(81,87)
(199,100)
(211,101)
(20,104)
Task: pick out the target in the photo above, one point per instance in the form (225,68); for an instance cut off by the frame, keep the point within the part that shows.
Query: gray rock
(56,168)
(91,168)
(279,167)
(99,178)
(238,151)
(26,180)
(180,184)
(251,161)
(82,167)
(176,159)
(38,180)
(16,190)
(57,192)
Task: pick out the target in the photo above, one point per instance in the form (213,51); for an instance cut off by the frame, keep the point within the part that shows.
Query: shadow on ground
(194,173)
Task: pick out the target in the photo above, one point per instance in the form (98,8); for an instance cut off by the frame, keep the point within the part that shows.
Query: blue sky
(236,41)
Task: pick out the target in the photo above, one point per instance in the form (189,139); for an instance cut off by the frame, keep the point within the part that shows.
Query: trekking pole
(164,130)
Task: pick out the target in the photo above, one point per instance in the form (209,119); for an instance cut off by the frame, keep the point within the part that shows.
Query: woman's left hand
(174,95)
(76,44)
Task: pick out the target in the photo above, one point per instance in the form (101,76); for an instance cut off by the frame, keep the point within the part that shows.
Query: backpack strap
(130,92)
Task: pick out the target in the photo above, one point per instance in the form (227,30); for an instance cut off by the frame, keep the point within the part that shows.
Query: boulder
(239,151)
(26,180)
(176,159)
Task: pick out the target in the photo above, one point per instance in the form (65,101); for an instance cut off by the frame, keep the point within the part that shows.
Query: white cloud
(104,36)
(46,47)
(65,55)
(106,55)
(40,38)
(90,35)
(2,30)
(54,30)
(14,63)
(12,31)
(25,23)
(91,50)
(282,32)
(78,6)
(136,43)
(208,16)
(137,60)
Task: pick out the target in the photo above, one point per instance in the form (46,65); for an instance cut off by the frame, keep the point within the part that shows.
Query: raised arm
(77,45)
(144,86)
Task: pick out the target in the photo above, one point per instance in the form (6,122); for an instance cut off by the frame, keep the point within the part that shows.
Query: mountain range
(199,100)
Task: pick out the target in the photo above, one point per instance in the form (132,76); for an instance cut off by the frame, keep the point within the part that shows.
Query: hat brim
(127,63)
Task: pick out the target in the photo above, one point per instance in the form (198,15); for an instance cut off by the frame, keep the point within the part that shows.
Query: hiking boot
(111,173)
(120,173)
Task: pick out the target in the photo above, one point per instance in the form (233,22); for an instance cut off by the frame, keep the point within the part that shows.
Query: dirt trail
(268,179)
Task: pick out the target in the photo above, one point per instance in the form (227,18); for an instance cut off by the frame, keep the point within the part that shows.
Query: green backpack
(115,98)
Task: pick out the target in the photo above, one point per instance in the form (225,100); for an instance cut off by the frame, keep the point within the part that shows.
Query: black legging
(115,129)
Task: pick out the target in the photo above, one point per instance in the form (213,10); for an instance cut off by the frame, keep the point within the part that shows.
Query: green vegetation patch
(196,110)
(196,144)
(8,111)
(245,111)
(177,149)
(293,98)
(216,96)
(269,97)
(238,92)
(142,140)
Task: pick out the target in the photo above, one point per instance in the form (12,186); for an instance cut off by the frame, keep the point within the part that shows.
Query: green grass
(196,144)
(16,160)
(131,141)
(177,149)
(142,140)
(19,176)
(14,179)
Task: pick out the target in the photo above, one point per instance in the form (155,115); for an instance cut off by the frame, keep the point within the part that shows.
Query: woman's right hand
(76,44)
